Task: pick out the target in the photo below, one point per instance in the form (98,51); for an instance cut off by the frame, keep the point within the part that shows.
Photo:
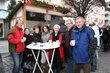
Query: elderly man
(81,36)
(68,48)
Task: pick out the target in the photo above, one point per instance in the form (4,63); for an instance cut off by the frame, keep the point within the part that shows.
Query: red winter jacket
(15,37)
(61,49)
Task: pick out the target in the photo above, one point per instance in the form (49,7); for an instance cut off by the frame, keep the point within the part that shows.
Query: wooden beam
(24,14)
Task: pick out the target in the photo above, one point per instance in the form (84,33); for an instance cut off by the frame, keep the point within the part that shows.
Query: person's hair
(26,29)
(18,21)
(93,24)
(79,17)
(69,20)
(48,28)
(62,21)
(37,26)
(56,25)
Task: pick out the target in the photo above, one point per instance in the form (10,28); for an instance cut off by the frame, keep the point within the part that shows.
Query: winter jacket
(97,34)
(37,37)
(92,45)
(15,36)
(26,57)
(28,41)
(45,36)
(80,50)
(68,48)
(60,49)
(105,36)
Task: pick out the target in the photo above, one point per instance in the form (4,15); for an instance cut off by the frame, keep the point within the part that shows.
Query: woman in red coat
(16,45)
(59,52)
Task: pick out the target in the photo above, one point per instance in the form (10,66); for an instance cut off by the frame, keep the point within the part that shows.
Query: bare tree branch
(83,7)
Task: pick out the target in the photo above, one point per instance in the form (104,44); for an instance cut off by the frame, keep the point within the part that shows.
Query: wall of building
(5,29)
(30,24)
(16,16)
(2,4)
(107,14)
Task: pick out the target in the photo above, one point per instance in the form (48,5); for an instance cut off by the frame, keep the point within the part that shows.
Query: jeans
(70,64)
(94,62)
(17,59)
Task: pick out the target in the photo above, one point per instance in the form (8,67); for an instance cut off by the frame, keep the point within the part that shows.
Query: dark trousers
(105,47)
(56,62)
(84,67)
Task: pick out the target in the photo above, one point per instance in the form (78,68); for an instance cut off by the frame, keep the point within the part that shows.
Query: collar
(18,28)
(77,29)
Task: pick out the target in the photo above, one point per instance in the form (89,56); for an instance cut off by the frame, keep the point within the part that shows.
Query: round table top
(43,46)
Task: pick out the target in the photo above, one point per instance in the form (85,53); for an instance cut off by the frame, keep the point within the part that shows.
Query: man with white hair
(82,36)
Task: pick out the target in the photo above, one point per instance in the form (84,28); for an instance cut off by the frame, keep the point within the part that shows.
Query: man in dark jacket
(68,48)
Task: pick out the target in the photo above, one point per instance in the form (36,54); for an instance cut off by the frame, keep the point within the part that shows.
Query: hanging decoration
(26,1)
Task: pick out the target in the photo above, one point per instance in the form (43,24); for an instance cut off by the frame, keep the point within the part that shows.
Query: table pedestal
(49,63)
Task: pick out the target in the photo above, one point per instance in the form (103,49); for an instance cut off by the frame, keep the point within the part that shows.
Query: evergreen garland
(11,5)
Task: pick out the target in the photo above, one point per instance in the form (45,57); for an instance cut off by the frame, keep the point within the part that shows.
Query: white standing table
(43,47)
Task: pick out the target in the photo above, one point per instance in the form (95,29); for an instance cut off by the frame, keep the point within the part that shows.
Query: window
(1,30)
(35,16)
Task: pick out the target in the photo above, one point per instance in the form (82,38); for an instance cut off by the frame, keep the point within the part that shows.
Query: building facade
(3,15)
(107,14)
(97,15)
(38,12)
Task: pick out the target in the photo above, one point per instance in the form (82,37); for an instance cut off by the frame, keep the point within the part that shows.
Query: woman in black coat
(37,39)
(27,54)
(105,39)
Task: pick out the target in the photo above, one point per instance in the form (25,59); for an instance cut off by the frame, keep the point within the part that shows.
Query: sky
(107,0)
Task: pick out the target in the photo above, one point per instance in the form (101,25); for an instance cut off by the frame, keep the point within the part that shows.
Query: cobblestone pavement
(7,62)
(103,63)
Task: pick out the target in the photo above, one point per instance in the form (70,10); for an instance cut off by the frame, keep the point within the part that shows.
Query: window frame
(2,29)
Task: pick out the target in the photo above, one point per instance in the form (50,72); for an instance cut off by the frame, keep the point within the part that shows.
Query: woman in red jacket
(16,45)
(59,52)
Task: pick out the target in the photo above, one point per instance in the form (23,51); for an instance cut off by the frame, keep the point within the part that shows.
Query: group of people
(105,38)
(78,45)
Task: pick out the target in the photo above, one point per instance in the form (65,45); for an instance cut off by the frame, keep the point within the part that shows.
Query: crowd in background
(105,37)
(79,45)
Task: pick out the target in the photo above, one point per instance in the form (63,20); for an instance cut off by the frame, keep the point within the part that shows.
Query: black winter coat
(37,37)
(27,51)
(67,47)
